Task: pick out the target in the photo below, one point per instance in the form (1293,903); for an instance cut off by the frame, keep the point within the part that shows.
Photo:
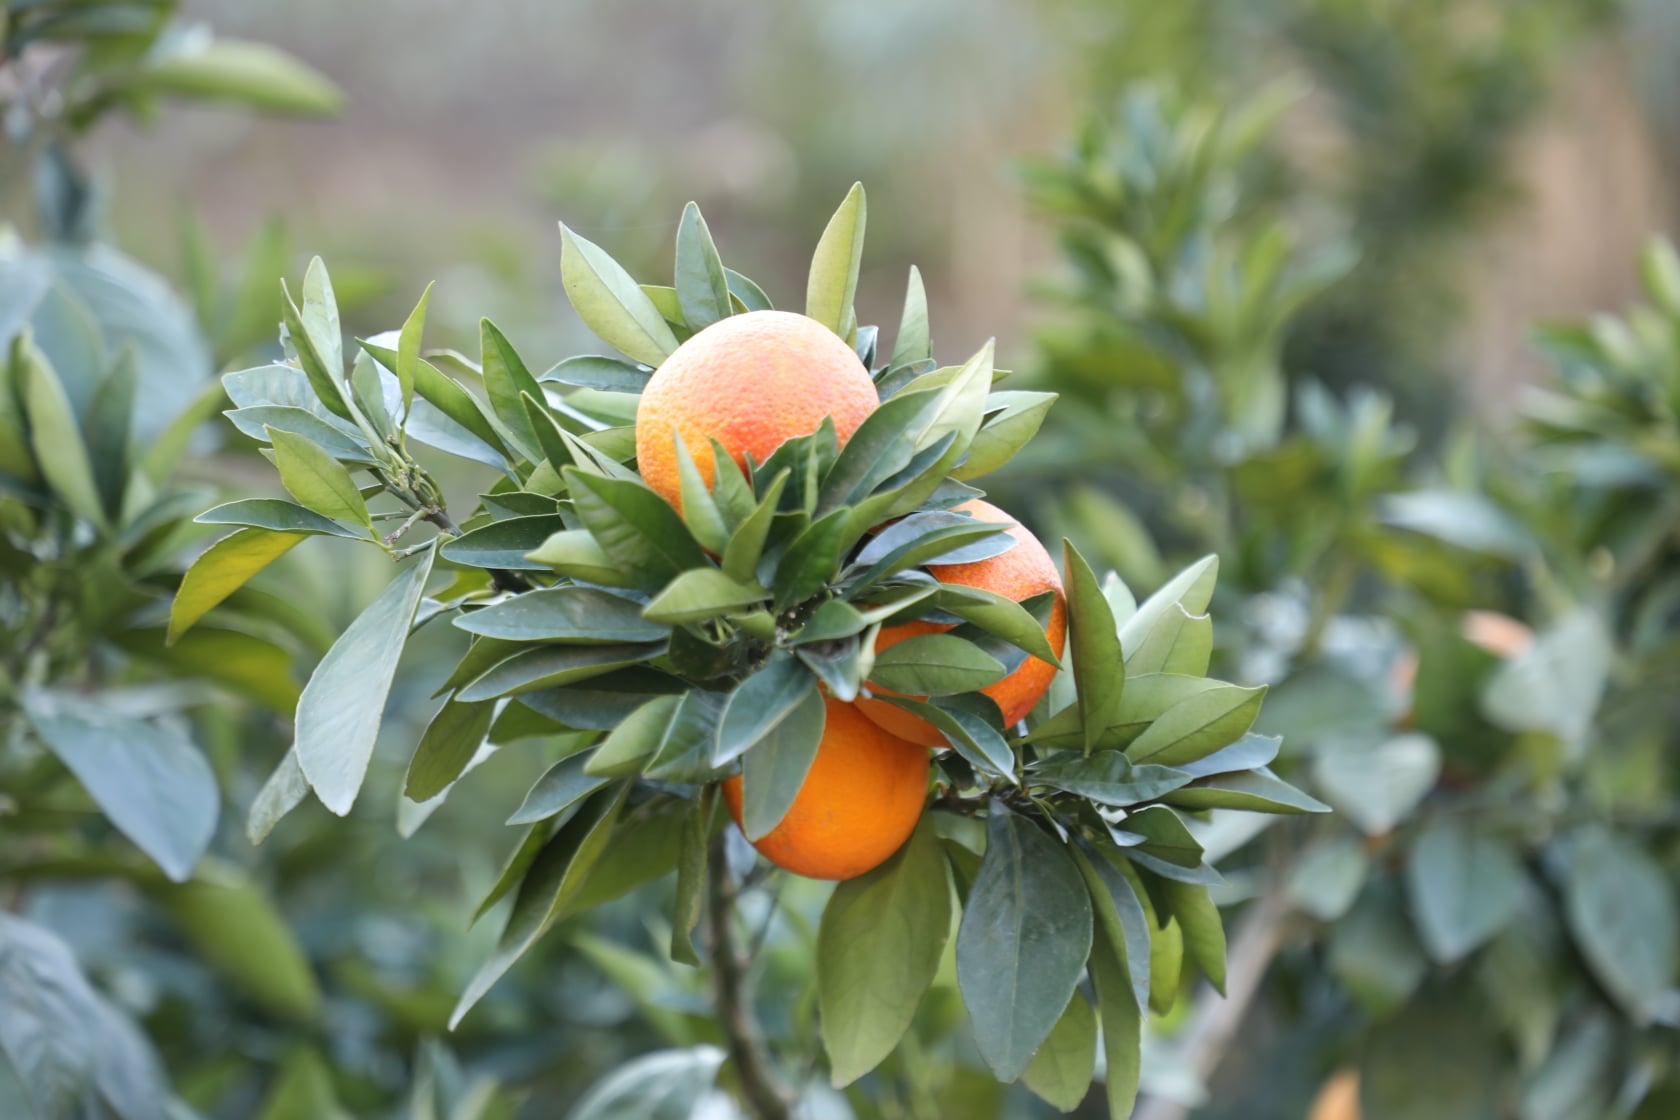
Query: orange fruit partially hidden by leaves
(860,802)
(1020,573)
(1338,1099)
(752,382)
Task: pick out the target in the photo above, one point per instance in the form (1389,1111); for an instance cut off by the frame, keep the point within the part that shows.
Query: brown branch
(762,1091)
(1215,1018)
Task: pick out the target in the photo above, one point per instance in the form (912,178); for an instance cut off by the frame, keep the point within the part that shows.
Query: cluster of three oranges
(752,382)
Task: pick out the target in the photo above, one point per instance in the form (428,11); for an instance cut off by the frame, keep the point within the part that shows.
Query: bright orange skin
(1022,572)
(859,804)
(751,382)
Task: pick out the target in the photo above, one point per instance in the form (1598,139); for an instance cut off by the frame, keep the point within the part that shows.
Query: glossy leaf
(316,479)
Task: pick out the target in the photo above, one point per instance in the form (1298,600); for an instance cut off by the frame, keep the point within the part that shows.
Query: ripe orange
(1020,573)
(751,382)
(859,804)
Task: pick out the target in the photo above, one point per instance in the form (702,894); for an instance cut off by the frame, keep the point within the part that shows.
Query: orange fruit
(751,382)
(1338,1099)
(860,802)
(1020,573)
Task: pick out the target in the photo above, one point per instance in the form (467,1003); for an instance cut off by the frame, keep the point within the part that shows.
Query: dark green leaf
(549,666)
(242,934)
(1061,1071)
(108,426)
(810,560)
(1403,1055)
(773,770)
(1098,668)
(700,594)
(561,786)
(1107,777)
(691,876)
(746,543)
(1023,942)
(596,371)
(1258,791)
(508,544)
(634,526)
(446,747)
(505,378)
(758,705)
(1204,932)
(878,949)
(1165,836)
(971,734)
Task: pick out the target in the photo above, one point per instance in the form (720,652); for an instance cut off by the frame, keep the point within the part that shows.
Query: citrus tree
(1496,885)
(743,563)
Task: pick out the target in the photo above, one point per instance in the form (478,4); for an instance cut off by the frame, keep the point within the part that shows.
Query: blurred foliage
(1462,649)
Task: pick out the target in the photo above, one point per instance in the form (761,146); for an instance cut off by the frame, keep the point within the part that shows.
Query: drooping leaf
(773,770)
(1061,1071)
(1098,668)
(692,871)
(1023,941)
(339,714)
(447,745)
(550,666)
(222,569)
(561,786)
(878,949)
(151,782)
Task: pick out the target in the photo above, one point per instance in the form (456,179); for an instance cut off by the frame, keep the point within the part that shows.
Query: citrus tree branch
(761,1090)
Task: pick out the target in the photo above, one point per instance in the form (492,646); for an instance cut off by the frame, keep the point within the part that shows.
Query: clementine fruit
(751,382)
(860,802)
(1025,570)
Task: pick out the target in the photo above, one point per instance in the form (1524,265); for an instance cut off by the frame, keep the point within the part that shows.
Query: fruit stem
(761,1091)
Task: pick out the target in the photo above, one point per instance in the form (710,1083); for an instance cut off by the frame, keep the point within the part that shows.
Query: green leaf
(1122,923)
(339,714)
(746,544)
(54,435)
(750,295)
(1403,1056)
(303,1090)
(574,553)
(255,420)
(321,329)
(1023,941)
(1326,878)
(700,594)
(610,303)
(575,615)
(1465,886)
(1165,836)
(1556,684)
(66,1045)
(1257,791)
(276,516)
(691,876)
(1018,417)
(1621,910)
(159,460)
(1377,785)
(1198,725)
(562,785)
(832,286)
(250,316)
(758,705)
(1179,642)
(636,739)
(547,666)
(663,1085)
(1191,589)
(1372,951)
(555,876)
(1098,669)
(505,378)
(316,479)
(240,932)
(878,950)
(935,665)
(1107,777)
(971,734)
(408,348)
(1166,967)
(999,615)
(595,371)
(810,560)
(153,784)
(1467,520)
(911,343)
(1122,1025)
(509,544)
(222,569)
(702,287)
(636,528)
(284,791)
(452,402)
(1061,1071)
(108,424)
(773,771)
(699,509)
(446,747)
(255,74)
(1204,932)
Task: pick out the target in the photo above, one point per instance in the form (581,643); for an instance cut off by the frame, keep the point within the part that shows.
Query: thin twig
(762,1092)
